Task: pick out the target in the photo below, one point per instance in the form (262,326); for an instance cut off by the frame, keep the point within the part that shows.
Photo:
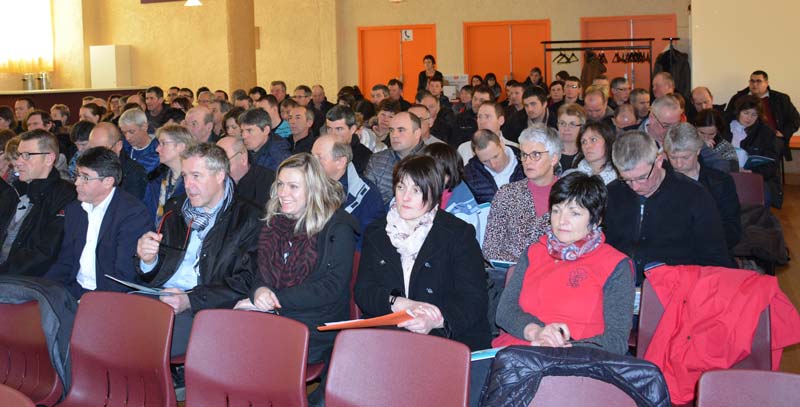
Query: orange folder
(385,320)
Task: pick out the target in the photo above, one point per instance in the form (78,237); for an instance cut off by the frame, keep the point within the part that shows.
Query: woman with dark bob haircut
(752,136)
(424,260)
(457,198)
(570,288)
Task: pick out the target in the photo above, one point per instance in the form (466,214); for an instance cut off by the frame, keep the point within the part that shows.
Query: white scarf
(408,241)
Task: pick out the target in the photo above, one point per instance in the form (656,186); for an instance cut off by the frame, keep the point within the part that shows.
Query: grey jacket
(380,167)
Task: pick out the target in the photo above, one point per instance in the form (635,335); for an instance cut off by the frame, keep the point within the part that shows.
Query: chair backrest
(578,391)
(374,367)
(120,351)
(355,312)
(650,313)
(25,365)
(12,397)
(749,187)
(242,358)
(746,388)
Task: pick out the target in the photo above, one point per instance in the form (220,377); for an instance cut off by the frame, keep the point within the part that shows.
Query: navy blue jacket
(481,182)
(125,221)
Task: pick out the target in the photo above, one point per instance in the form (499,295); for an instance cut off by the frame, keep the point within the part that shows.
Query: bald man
(134,176)
(363,200)
(253,182)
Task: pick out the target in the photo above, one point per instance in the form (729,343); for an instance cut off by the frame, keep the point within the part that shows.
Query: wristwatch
(393,296)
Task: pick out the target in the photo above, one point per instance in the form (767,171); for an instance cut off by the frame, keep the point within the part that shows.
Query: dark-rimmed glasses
(639,179)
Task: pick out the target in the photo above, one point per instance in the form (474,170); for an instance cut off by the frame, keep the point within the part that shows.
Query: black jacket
(255,185)
(481,182)
(134,177)
(324,296)
(677,64)
(723,190)
(518,121)
(225,252)
(361,155)
(517,372)
(761,140)
(39,239)
(785,113)
(422,79)
(678,224)
(443,125)
(466,124)
(447,273)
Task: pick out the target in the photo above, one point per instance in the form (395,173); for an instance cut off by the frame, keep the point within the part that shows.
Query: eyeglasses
(572,125)
(631,182)
(85,178)
(231,157)
(660,123)
(185,239)
(533,155)
(27,156)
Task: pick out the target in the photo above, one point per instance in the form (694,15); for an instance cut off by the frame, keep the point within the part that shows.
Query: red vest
(570,292)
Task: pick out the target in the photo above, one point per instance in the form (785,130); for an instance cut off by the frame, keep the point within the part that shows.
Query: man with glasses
(657,215)
(620,92)
(134,176)
(100,228)
(302,95)
(424,117)
(664,113)
(137,142)
(572,90)
(31,235)
(253,182)
(203,239)
(442,120)
(781,114)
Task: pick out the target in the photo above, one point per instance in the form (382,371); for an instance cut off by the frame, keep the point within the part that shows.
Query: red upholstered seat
(381,367)
(120,352)
(11,397)
(747,388)
(25,362)
(242,358)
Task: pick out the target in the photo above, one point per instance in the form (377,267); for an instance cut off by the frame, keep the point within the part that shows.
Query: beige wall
(449,16)
(298,43)
(727,47)
(171,44)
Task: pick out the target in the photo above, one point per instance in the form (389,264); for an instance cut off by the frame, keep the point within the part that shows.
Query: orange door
(509,49)
(384,54)
(648,26)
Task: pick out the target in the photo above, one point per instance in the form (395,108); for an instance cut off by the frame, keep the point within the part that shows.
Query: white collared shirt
(504,177)
(87,273)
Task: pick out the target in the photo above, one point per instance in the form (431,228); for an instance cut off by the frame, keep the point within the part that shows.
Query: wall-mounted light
(192,3)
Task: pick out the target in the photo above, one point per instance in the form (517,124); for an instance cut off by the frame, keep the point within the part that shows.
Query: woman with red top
(519,216)
(570,287)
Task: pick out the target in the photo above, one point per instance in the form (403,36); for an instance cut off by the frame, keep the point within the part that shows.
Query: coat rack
(630,46)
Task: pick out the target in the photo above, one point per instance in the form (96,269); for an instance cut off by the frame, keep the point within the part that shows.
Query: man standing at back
(31,235)
(101,228)
(405,137)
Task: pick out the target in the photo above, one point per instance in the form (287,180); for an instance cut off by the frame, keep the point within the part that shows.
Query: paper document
(485,353)
(141,289)
(385,320)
